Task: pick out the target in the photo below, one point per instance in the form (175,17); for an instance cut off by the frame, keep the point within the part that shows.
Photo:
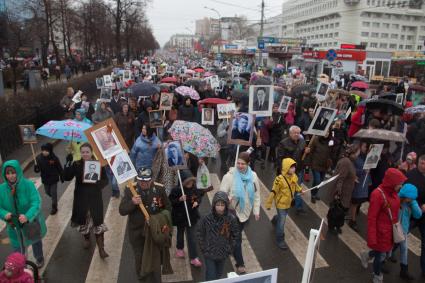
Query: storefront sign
(420,63)
(350,55)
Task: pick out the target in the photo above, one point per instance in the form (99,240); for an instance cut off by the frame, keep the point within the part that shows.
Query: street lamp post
(219,25)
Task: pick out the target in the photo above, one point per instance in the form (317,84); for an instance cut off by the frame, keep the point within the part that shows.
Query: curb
(29,161)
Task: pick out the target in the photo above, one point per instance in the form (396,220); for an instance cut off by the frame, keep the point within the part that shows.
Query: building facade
(183,41)
(206,27)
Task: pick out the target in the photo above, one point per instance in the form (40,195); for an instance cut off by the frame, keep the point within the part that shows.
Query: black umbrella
(388,95)
(241,80)
(389,105)
(238,93)
(194,83)
(222,74)
(262,81)
(245,75)
(144,89)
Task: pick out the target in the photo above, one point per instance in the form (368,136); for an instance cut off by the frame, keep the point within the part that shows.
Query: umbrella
(238,93)
(213,100)
(339,91)
(261,81)
(199,70)
(417,87)
(415,109)
(380,134)
(222,74)
(188,91)
(208,74)
(190,72)
(194,82)
(144,89)
(359,93)
(388,95)
(245,75)
(381,103)
(297,90)
(195,138)
(360,84)
(170,80)
(64,130)
(136,63)
(166,87)
(241,80)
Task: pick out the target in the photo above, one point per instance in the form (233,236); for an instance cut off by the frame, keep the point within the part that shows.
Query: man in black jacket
(417,178)
(155,200)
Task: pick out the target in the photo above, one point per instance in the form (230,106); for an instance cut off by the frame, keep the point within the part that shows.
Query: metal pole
(260,56)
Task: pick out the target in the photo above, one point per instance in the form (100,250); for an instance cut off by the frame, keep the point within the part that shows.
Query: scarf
(242,183)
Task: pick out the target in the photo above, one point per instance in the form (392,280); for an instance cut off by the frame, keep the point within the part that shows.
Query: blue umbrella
(415,109)
(144,89)
(69,130)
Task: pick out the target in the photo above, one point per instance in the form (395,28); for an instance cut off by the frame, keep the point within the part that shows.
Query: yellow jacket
(281,193)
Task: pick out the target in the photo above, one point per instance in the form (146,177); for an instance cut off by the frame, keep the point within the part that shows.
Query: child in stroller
(18,270)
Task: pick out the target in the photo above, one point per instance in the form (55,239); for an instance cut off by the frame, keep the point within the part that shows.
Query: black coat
(87,197)
(178,213)
(418,179)
(186,113)
(50,169)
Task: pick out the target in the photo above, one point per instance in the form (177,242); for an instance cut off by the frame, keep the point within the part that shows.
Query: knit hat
(15,264)
(244,156)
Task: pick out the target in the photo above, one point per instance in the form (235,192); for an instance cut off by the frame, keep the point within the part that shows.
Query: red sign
(352,46)
(349,55)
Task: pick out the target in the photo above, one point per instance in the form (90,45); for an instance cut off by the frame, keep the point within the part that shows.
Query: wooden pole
(33,153)
(311,140)
(185,204)
(237,153)
(130,185)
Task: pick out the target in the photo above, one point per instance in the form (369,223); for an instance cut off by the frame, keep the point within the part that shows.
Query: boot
(86,243)
(100,246)
(404,273)
(54,209)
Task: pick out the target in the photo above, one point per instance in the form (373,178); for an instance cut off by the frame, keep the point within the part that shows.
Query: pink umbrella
(208,74)
(188,91)
(360,84)
(191,72)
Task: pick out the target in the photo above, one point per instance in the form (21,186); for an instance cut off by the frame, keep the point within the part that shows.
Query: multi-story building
(206,27)
(382,26)
(183,41)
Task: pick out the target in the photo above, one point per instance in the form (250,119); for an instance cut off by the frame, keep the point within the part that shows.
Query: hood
(392,178)
(47,147)
(220,196)
(286,164)
(186,177)
(408,191)
(15,164)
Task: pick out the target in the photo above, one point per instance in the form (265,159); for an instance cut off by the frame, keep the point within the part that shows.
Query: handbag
(398,234)
(32,231)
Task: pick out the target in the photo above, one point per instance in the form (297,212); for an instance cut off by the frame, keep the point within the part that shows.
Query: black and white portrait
(152,71)
(107,81)
(28,134)
(155,119)
(322,90)
(99,83)
(399,98)
(166,101)
(91,171)
(126,75)
(373,156)
(122,167)
(106,94)
(322,121)
(261,100)
(107,142)
(284,104)
(207,116)
(241,129)
(173,152)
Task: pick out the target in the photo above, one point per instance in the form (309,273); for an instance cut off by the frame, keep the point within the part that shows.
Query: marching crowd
(395,189)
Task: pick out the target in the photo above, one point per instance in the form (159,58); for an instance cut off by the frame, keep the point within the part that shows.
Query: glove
(69,158)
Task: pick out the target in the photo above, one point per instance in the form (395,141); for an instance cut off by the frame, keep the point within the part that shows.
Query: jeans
(297,196)
(52,191)
(112,179)
(404,251)
(37,250)
(421,227)
(378,258)
(237,253)
(318,177)
(213,269)
(280,225)
(191,244)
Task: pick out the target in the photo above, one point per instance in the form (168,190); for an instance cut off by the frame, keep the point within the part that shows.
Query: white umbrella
(136,63)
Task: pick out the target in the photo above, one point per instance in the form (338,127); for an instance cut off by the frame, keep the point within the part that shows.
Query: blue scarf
(241,181)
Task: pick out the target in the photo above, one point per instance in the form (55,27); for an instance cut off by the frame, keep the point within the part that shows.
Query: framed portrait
(107,81)
(166,101)
(214,82)
(99,83)
(284,104)
(265,276)
(261,100)
(399,98)
(322,90)
(92,171)
(373,156)
(207,116)
(106,94)
(126,75)
(155,119)
(322,121)
(226,111)
(173,152)
(170,70)
(122,167)
(241,129)
(152,71)
(28,134)
(107,142)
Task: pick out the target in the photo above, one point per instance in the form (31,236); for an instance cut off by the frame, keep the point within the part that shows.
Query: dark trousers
(237,253)
(318,177)
(191,244)
(52,191)
(213,269)
(37,250)
(378,258)
(421,227)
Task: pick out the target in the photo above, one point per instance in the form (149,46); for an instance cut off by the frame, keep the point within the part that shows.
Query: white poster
(122,167)
(373,156)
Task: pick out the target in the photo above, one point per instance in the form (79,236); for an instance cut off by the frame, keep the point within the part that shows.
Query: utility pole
(260,56)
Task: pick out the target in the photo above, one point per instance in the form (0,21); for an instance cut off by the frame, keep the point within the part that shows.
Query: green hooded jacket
(28,203)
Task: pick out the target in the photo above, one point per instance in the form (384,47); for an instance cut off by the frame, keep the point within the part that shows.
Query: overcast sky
(168,17)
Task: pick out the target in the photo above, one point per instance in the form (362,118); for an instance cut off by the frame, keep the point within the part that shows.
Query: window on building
(394,36)
(384,35)
(393,46)
(374,34)
(419,47)
(331,25)
(366,24)
(376,25)
(410,37)
(409,47)
(400,47)
(378,67)
(337,25)
(402,37)
(383,45)
(373,45)
(395,26)
(365,34)
(335,34)
(386,25)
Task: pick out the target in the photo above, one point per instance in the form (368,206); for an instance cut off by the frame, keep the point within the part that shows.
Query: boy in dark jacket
(192,198)
(51,171)
(218,234)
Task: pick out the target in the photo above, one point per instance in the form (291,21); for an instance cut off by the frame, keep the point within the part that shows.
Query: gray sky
(168,17)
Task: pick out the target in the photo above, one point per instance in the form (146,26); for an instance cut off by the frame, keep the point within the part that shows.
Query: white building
(383,26)
(183,41)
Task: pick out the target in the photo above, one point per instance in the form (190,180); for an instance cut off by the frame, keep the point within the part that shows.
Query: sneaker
(179,253)
(364,258)
(378,278)
(40,263)
(196,262)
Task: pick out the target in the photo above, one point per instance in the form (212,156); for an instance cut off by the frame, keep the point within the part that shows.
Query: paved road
(67,261)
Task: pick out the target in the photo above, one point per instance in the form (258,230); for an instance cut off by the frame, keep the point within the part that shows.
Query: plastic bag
(203,180)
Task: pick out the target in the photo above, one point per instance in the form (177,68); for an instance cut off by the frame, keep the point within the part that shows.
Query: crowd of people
(395,188)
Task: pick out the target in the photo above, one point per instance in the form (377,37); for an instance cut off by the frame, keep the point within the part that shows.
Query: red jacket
(379,226)
(356,120)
